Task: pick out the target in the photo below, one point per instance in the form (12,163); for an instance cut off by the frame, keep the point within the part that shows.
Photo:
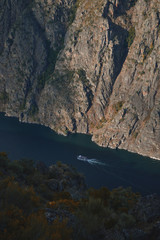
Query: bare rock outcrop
(84,66)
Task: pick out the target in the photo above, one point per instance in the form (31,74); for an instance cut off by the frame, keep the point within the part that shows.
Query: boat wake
(92,161)
(111,172)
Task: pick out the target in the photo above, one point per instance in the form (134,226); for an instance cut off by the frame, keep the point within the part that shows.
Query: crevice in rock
(119,61)
(106,9)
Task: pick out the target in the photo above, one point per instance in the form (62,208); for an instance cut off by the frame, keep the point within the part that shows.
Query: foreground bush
(32,206)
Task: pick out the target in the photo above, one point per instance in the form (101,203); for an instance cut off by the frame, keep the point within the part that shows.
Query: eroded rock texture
(84,66)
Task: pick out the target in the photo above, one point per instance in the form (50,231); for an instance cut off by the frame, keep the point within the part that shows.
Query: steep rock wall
(84,66)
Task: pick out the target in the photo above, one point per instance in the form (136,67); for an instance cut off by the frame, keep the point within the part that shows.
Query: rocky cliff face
(84,66)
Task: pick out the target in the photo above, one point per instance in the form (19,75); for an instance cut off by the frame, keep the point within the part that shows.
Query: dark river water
(105,167)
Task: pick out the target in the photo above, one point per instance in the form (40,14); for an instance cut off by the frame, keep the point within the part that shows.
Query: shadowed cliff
(84,66)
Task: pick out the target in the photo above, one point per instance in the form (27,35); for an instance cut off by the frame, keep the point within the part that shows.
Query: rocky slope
(84,66)
(40,202)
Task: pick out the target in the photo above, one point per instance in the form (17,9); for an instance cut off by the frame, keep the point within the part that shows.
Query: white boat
(82,158)
(92,161)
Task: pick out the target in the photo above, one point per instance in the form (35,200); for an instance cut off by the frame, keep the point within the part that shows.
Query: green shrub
(4,97)
(4,161)
(118,106)
(125,220)
(22,105)
(33,110)
(25,196)
(122,200)
(103,193)
(15,195)
(148,51)
(91,215)
(131,36)
(72,15)
(135,134)
(106,209)
(16,168)
(62,82)
(16,226)
(44,192)
(51,61)
(82,77)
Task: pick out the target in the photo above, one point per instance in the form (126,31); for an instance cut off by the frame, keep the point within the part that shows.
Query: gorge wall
(86,66)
